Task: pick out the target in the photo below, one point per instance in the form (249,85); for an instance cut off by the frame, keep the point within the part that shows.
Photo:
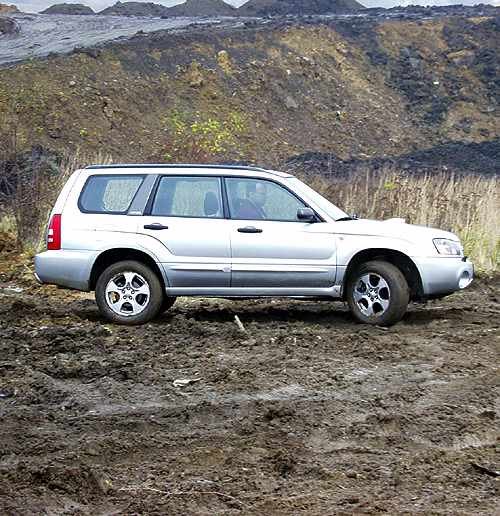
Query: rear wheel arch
(111,256)
(400,260)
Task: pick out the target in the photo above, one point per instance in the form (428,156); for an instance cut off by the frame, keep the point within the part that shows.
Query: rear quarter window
(109,194)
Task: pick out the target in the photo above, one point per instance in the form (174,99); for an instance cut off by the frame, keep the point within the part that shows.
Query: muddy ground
(306,413)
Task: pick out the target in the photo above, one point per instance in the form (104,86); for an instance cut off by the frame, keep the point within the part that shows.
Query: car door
(186,214)
(270,247)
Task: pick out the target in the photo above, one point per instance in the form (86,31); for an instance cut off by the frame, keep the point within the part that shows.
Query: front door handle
(249,229)
(155,227)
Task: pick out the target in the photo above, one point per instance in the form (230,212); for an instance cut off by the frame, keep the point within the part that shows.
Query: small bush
(202,138)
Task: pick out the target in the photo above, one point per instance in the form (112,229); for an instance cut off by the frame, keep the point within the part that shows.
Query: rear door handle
(249,229)
(155,227)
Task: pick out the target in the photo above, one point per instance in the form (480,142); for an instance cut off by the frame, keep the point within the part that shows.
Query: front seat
(211,205)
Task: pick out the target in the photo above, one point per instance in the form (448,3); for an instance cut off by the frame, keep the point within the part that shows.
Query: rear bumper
(444,275)
(65,268)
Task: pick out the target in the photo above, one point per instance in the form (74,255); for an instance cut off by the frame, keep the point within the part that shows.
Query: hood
(391,228)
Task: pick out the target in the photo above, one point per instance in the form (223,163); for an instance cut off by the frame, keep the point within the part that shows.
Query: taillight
(54,233)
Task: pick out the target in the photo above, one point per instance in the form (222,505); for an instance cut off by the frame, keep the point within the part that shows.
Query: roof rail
(183,165)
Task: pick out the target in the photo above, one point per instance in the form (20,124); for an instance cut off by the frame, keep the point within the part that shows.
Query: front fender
(349,246)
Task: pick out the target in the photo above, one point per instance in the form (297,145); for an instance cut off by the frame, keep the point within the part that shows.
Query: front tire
(129,293)
(378,293)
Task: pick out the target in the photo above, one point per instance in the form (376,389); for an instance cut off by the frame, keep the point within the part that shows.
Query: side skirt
(330,292)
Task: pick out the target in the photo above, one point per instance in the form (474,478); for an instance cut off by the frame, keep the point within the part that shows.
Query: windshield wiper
(346,218)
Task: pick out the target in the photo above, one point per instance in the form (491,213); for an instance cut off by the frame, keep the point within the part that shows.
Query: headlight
(448,247)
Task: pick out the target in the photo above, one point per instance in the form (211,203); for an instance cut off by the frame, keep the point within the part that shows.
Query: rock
(75,9)
(72,84)
(8,26)
(290,103)
(54,132)
(108,111)
(462,57)
(184,382)
(415,62)
(6,393)
(102,482)
(91,51)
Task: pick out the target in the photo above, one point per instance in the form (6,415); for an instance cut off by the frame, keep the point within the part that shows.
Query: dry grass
(467,205)
(28,193)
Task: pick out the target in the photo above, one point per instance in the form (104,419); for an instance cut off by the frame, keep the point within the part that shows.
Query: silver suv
(141,235)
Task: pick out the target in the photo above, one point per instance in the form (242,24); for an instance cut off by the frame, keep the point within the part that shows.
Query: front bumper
(442,275)
(65,268)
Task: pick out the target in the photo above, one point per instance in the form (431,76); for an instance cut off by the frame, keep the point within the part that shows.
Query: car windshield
(316,198)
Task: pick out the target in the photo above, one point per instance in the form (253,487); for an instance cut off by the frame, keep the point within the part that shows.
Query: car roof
(237,170)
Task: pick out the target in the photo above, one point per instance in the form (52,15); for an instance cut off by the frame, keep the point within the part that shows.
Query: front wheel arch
(400,260)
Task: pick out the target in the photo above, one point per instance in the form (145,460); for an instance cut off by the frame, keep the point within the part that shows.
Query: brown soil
(306,413)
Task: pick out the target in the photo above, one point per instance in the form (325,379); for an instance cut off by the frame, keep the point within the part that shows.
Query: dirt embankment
(357,88)
(306,413)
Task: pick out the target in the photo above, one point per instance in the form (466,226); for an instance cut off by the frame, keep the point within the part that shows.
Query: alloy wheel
(128,294)
(372,294)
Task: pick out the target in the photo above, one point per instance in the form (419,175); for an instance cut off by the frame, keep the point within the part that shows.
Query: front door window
(257,199)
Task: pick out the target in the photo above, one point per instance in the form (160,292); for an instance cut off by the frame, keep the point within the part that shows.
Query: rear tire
(129,293)
(377,293)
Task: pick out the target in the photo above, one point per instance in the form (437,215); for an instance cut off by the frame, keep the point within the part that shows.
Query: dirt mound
(79,9)
(203,8)
(135,9)
(354,87)
(297,7)
(458,157)
(307,412)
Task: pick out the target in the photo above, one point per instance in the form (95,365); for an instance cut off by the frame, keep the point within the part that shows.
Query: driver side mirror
(306,215)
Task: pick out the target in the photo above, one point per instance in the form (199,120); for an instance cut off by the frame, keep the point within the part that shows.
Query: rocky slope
(135,9)
(203,8)
(357,88)
(302,7)
(79,9)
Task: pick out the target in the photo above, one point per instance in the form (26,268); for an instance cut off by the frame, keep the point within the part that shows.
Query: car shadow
(263,312)
(318,313)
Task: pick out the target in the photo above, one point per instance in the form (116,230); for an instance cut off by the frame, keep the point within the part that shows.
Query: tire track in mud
(309,413)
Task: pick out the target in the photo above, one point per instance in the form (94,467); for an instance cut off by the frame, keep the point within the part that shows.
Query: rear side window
(181,196)
(109,194)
